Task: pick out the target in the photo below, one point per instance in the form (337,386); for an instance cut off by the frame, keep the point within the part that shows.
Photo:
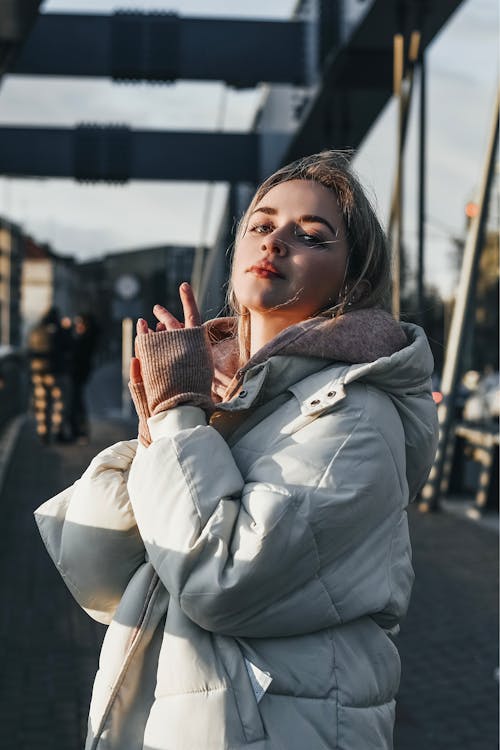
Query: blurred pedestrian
(50,351)
(84,342)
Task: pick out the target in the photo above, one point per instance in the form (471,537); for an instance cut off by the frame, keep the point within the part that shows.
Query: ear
(360,289)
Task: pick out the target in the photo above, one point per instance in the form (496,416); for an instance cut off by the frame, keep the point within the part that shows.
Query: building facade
(47,280)
(12,243)
(127,284)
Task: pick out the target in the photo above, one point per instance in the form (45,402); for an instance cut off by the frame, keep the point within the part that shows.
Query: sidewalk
(49,647)
(449,639)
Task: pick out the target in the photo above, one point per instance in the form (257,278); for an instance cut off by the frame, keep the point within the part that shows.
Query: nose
(273,243)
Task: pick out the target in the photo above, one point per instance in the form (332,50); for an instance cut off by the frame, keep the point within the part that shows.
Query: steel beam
(357,76)
(16,19)
(118,154)
(165,47)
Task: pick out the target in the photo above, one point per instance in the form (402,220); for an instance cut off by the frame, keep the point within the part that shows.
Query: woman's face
(291,259)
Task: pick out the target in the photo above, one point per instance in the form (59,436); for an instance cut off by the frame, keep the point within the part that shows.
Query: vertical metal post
(396,229)
(421,191)
(403,89)
(430,493)
(127,354)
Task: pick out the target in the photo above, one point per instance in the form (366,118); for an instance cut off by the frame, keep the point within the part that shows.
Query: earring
(343,298)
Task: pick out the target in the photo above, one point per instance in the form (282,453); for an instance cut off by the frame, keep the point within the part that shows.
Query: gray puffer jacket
(253,582)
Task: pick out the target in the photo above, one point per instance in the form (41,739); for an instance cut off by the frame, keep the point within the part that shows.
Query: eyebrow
(306,219)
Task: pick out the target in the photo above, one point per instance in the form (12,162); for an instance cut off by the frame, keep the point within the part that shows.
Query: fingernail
(185,286)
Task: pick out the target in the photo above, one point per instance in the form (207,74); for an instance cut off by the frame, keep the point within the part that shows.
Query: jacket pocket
(239,681)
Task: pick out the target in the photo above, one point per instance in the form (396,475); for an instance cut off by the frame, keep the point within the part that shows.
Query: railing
(483,440)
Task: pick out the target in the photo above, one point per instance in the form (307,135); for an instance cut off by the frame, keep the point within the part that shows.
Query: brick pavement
(449,641)
(49,647)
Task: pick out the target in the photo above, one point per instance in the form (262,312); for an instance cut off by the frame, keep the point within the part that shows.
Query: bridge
(339,64)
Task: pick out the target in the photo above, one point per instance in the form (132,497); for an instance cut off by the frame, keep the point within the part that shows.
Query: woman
(251,552)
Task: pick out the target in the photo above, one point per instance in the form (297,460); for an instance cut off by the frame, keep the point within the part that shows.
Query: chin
(257,300)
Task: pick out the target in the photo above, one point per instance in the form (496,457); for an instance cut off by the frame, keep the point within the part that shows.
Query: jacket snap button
(331,394)
(315,402)
(242,394)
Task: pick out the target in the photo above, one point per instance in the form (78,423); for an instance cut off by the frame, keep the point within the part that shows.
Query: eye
(262,228)
(309,238)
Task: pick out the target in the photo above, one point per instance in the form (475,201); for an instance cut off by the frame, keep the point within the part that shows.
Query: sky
(462,80)
(88,221)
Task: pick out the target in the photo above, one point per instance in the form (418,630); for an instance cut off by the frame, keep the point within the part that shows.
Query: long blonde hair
(368,278)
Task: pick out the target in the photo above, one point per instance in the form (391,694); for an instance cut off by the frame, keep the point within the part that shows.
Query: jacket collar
(361,336)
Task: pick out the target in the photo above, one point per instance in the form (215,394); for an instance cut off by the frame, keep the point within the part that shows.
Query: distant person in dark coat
(85,337)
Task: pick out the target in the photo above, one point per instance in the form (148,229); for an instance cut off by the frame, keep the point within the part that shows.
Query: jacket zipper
(134,641)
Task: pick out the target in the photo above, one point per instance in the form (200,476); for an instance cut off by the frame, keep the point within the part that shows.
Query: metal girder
(165,47)
(357,76)
(118,154)
(366,68)
(16,19)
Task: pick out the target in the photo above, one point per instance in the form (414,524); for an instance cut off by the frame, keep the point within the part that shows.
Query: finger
(160,327)
(135,371)
(165,317)
(192,317)
(142,326)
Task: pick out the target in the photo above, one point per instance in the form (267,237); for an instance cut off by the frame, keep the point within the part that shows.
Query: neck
(264,327)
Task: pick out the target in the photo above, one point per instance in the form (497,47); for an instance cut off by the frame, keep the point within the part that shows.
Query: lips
(266,270)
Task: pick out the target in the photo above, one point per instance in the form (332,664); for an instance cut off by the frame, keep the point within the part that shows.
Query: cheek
(323,274)
(239,277)
(237,267)
(241,260)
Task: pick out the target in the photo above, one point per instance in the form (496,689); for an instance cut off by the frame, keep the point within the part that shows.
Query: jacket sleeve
(243,558)
(90,532)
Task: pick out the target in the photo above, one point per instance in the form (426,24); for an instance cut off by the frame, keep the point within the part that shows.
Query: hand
(174,363)
(167,322)
(135,371)
(139,398)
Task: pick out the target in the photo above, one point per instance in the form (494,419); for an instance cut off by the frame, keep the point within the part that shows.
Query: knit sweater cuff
(177,368)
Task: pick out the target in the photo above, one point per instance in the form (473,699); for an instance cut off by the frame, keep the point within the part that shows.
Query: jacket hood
(406,378)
